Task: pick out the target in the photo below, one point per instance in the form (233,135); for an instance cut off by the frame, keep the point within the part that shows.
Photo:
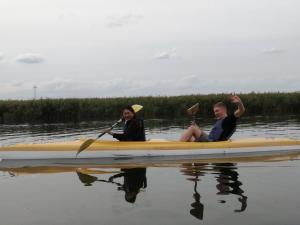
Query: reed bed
(95,109)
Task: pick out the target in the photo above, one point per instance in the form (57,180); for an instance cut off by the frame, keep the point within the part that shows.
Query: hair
(128,107)
(220,105)
(130,196)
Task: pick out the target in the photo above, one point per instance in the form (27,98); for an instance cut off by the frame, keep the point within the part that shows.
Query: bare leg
(191,134)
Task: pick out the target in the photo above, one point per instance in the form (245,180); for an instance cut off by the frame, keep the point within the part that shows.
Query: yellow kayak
(156,144)
(153,148)
(63,154)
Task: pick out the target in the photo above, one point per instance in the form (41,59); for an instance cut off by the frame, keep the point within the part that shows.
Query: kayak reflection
(228,183)
(134,180)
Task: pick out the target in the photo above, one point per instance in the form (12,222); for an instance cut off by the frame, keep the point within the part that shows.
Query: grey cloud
(163,55)
(188,82)
(67,14)
(17,83)
(192,84)
(30,58)
(12,86)
(272,51)
(122,20)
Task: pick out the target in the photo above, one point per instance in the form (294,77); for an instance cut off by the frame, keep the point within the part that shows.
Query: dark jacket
(133,130)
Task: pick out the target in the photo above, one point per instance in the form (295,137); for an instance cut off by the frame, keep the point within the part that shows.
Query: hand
(193,123)
(234,98)
(240,107)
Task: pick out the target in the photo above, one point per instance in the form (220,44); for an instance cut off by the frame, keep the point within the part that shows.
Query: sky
(109,48)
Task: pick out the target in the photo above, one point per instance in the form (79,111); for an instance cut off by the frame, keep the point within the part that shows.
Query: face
(127,114)
(220,112)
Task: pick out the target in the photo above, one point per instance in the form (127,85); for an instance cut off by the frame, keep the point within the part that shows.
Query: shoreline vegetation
(172,107)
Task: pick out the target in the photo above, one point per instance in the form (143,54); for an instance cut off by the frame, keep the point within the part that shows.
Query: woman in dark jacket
(133,130)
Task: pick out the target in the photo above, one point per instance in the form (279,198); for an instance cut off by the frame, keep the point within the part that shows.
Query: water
(244,192)
(169,129)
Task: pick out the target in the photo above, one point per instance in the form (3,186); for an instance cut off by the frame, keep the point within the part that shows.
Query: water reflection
(197,207)
(228,183)
(134,180)
(178,193)
(193,171)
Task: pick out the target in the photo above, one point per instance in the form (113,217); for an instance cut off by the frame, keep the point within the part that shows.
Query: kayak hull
(113,152)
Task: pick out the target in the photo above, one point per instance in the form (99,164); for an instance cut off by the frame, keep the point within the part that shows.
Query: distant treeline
(92,109)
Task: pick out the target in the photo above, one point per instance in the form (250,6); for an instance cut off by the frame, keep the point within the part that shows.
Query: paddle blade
(85,145)
(192,111)
(137,107)
(86,179)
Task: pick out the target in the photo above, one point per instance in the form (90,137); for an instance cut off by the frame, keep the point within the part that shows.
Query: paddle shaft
(192,111)
(112,126)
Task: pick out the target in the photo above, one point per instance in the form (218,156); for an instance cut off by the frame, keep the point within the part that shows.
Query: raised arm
(238,102)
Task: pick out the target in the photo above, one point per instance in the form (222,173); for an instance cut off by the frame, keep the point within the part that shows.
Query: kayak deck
(154,145)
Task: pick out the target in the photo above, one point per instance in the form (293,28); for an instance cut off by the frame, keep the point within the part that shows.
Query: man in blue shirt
(223,128)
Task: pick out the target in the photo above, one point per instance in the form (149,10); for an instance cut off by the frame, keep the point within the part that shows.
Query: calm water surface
(253,192)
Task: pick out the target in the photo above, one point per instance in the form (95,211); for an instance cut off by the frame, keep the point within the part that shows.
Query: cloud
(188,82)
(271,51)
(191,84)
(163,55)
(30,58)
(1,56)
(61,87)
(122,20)
(67,14)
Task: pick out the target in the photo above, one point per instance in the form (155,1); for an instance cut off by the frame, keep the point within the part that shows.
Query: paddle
(88,142)
(87,179)
(192,111)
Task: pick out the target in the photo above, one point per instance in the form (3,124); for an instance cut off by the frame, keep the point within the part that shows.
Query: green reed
(92,109)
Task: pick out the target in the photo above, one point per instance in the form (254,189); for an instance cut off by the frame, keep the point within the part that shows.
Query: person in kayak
(133,129)
(223,128)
